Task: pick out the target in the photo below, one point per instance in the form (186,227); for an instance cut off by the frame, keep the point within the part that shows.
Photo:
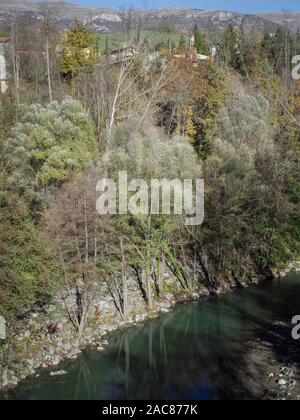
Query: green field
(151,39)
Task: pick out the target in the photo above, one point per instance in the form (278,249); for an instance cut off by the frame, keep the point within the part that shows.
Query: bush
(28,271)
(49,143)
(250,212)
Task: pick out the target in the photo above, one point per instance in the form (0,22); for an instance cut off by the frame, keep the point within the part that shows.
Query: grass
(151,39)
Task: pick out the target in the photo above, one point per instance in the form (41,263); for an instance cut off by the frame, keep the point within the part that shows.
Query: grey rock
(140,317)
(73,354)
(58,373)
(103,20)
(165,310)
(282,382)
(5,378)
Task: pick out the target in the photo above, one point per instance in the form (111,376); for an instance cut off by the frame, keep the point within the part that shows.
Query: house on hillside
(4,42)
(192,55)
(124,54)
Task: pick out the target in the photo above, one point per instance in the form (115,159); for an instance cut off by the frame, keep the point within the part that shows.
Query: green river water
(197,351)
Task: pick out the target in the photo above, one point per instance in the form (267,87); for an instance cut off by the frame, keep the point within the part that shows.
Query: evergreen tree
(106,52)
(230,48)
(267,46)
(200,42)
(182,42)
(79,49)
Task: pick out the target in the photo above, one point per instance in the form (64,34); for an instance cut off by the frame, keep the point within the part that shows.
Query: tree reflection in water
(198,351)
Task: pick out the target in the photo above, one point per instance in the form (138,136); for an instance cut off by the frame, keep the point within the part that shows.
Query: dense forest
(71,116)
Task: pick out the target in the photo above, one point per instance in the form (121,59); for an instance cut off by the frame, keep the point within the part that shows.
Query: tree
(206,109)
(106,51)
(28,270)
(184,88)
(15,61)
(75,229)
(249,226)
(182,42)
(148,236)
(48,144)
(79,49)
(229,49)
(49,29)
(267,46)
(200,42)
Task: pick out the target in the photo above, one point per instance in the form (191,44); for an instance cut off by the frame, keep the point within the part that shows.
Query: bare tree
(73,225)
(49,28)
(15,60)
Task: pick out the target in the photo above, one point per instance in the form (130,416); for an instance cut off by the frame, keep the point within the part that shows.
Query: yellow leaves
(190,128)
(78,49)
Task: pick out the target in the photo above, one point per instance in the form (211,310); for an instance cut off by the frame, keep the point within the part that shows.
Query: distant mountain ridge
(108,20)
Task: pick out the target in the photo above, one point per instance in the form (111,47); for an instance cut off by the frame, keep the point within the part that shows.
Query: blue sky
(249,6)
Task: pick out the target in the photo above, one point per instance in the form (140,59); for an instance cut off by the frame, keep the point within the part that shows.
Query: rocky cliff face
(292,20)
(108,20)
(185,19)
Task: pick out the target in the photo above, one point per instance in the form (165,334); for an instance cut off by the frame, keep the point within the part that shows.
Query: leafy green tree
(182,42)
(265,68)
(48,144)
(229,48)
(79,49)
(206,110)
(148,236)
(250,215)
(267,46)
(28,270)
(200,41)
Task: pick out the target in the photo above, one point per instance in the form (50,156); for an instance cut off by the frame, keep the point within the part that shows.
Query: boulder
(58,373)
(73,354)
(282,382)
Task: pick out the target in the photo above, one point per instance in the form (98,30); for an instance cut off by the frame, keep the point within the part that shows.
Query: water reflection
(198,351)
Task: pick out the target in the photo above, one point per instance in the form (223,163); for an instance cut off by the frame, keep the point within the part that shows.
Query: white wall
(3,73)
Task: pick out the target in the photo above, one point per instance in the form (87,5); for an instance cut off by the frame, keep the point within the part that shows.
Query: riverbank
(273,365)
(34,348)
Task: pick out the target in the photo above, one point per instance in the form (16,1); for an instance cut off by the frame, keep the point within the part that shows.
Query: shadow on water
(198,351)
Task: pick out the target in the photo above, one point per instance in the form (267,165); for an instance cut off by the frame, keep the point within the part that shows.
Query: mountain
(186,18)
(109,20)
(291,19)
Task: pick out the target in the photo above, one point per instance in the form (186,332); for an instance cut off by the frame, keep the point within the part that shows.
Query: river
(197,351)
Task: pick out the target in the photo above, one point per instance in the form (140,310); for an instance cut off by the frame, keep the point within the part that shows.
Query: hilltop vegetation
(151,40)
(70,118)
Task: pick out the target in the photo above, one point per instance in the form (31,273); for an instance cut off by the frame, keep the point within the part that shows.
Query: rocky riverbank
(293,267)
(33,348)
(273,365)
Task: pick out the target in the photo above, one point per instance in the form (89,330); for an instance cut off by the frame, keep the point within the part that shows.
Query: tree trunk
(149,288)
(48,70)
(125,286)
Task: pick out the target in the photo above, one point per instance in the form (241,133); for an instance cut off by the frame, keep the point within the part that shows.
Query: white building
(3,69)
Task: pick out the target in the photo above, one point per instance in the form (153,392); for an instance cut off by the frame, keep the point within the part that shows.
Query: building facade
(3,65)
